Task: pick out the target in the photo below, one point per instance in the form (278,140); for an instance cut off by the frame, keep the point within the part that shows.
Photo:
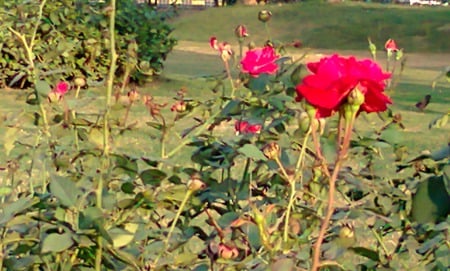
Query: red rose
(260,60)
(391,46)
(332,80)
(244,127)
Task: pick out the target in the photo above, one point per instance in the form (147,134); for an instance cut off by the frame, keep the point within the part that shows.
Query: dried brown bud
(272,150)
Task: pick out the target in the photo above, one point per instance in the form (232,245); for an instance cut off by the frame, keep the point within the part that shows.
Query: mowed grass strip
(325,26)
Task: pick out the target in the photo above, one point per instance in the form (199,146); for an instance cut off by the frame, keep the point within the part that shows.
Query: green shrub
(71,40)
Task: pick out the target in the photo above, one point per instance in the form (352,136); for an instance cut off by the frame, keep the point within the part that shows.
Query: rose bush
(95,187)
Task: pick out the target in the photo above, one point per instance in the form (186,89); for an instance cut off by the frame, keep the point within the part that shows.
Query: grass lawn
(327,26)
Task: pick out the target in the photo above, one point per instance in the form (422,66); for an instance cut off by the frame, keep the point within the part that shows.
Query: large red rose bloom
(260,60)
(334,77)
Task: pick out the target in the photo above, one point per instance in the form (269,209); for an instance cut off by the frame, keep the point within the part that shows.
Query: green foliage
(70,41)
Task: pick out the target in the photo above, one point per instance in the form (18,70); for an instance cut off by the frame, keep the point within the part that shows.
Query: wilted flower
(335,77)
(272,150)
(260,60)
(264,15)
(244,127)
(133,95)
(179,107)
(241,31)
(227,252)
(224,48)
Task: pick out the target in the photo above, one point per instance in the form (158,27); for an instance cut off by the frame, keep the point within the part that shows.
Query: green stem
(380,241)
(110,81)
(174,223)
(233,88)
(77,92)
(298,174)
(266,27)
(30,59)
(301,158)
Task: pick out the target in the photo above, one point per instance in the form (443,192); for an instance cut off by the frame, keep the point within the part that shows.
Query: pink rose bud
(241,31)
(391,46)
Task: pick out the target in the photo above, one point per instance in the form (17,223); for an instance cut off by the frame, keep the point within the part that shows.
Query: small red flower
(333,79)
(260,60)
(61,88)
(244,127)
(224,48)
(391,46)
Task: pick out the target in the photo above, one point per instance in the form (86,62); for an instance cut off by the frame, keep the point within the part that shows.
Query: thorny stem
(110,81)
(174,223)
(34,74)
(109,88)
(292,182)
(332,190)
(227,68)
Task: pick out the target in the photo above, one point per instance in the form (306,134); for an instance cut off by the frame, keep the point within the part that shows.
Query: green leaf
(259,84)
(391,135)
(43,88)
(8,211)
(279,101)
(251,151)
(55,242)
(64,190)
(365,252)
(152,176)
(232,108)
(128,165)
(225,220)
(431,201)
(120,237)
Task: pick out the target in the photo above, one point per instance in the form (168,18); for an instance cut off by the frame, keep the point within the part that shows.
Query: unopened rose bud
(80,82)
(264,15)
(356,97)
(346,236)
(272,150)
(227,252)
(251,45)
(195,184)
(241,31)
(310,109)
(305,122)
